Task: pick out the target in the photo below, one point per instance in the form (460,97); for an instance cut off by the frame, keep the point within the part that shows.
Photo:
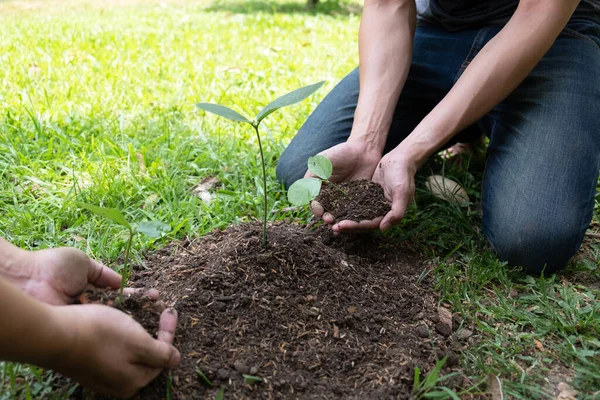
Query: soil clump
(355,200)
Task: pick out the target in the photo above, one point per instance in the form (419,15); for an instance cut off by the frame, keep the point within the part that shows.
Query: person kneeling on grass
(100,347)
(525,73)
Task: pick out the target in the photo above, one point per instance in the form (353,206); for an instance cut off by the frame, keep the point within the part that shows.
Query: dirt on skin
(355,200)
(313,315)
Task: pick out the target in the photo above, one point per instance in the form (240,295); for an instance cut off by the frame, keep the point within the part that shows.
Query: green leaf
(153,229)
(252,379)
(303,191)
(433,375)
(220,395)
(320,166)
(223,111)
(109,213)
(417,379)
(288,99)
(203,378)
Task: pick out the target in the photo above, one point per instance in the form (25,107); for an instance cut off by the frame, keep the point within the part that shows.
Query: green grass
(89,89)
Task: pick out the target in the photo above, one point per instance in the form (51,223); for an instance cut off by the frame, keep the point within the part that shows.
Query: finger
(328,218)
(353,226)
(167,326)
(395,215)
(160,353)
(152,294)
(101,276)
(317,209)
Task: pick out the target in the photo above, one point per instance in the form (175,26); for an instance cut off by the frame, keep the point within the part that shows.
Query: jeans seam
(475,47)
(574,34)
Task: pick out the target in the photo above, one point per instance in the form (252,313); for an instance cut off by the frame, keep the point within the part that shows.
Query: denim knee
(290,168)
(534,245)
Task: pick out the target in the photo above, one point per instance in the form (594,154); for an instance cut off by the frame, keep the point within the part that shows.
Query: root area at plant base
(312,315)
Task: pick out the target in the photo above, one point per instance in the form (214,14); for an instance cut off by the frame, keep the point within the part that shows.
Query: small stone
(422,331)
(254,370)
(443,329)
(223,374)
(240,366)
(452,360)
(463,334)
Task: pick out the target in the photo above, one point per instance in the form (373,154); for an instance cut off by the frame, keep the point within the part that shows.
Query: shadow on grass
(327,7)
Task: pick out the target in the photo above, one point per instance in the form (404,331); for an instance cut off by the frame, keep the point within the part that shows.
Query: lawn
(97,104)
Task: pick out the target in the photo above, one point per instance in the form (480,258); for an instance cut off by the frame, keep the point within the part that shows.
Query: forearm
(385,50)
(29,330)
(492,75)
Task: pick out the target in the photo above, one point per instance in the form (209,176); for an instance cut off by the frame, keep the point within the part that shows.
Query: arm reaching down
(492,75)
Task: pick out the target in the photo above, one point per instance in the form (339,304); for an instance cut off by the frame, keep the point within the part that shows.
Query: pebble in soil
(355,200)
(314,318)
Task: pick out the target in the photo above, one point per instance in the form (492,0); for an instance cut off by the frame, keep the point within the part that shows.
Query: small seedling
(204,378)
(220,394)
(252,380)
(152,229)
(304,190)
(429,388)
(283,101)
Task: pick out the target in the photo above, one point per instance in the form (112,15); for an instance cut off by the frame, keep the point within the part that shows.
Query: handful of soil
(143,309)
(356,201)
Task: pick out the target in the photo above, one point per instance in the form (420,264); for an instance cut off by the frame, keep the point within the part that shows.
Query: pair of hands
(108,352)
(353,160)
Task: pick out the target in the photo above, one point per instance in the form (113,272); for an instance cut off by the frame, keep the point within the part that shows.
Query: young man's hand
(396,174)
(351,161)
(58,276)
(109,352)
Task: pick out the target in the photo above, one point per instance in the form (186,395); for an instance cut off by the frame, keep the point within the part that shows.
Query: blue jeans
(543,156)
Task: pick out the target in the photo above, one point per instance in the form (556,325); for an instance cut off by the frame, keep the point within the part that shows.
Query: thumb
(161,353)
(399,206)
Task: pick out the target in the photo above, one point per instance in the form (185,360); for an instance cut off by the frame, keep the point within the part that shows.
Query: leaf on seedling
(288,99)
(249,379)
(153,229)
(110,213)
(223,111)
(203,378)
(303,191)
(320,166)
(220,394)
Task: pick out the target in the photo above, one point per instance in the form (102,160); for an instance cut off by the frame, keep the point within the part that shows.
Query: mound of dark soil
(354,200)
(313,316)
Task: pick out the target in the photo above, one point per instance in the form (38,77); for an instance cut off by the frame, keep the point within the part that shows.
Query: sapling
(152,229)
(304,190)
(283,101)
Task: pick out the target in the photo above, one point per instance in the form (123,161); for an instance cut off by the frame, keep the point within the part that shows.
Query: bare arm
(29,330)
(385,51)
(492,75)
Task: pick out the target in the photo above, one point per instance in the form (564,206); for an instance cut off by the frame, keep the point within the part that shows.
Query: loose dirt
(313,315)
(355,200)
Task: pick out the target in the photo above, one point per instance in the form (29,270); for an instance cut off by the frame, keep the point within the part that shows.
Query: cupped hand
(351,160)
(110,353)
(396,175)
(58,276)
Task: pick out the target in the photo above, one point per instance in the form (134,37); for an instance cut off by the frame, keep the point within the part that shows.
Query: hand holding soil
(366,204)
(107,351)
(350,161)
(352,206)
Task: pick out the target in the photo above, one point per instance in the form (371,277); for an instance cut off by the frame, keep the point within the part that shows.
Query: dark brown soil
(145,310)
(314,316)
(362,200)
